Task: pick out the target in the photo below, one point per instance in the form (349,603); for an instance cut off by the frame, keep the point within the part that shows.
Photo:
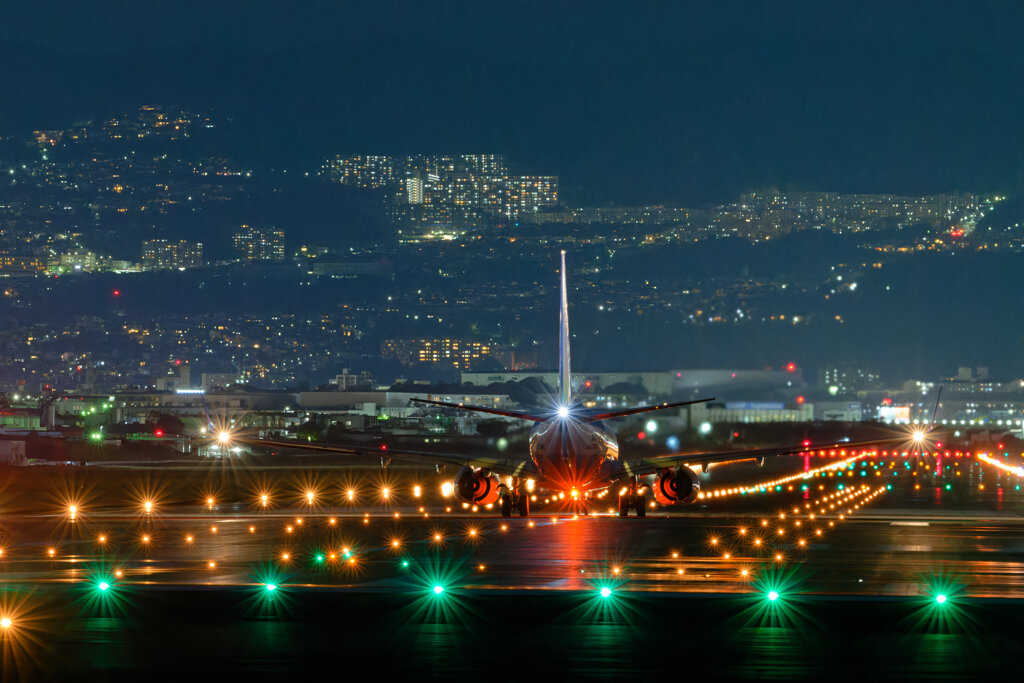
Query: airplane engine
(679,485)
(477,486)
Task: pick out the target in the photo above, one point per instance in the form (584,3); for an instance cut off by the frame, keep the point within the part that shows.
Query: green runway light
(405,563)
(103,585)
(606,592)
(773,595)
(940,598)
(271,587)
(319,558)
(438,589)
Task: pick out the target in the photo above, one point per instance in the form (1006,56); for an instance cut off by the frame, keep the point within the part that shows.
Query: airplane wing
(510,466)
(652,465)
(481,409)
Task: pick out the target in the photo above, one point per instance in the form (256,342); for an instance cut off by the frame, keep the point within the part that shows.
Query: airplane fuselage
(573,455)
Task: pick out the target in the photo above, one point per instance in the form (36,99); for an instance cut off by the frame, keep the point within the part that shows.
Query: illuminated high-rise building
(259,244)
(367,171)
(165,254)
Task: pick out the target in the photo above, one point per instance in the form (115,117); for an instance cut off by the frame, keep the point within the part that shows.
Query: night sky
(640,102)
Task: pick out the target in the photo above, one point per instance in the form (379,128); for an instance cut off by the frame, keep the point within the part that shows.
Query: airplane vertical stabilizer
(564,374)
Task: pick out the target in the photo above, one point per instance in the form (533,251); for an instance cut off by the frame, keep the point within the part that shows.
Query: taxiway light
(188,539)
(148,506)
(264,499)
(211,564)
(385,492)
(606,592)
(309,497)
(417,491)
(51,552)
(285,556)
(101,539)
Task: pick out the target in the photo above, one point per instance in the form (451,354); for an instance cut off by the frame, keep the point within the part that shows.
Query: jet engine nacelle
(477,486)
(679,485)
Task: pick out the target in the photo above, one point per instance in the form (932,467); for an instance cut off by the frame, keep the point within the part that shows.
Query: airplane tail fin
(564,374)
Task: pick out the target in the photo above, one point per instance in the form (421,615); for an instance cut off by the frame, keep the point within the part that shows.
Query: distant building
(21,265)
(457,354)
(259,244)
(164,254)
(367,171)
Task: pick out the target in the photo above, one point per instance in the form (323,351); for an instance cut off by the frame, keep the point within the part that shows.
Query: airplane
(572,451)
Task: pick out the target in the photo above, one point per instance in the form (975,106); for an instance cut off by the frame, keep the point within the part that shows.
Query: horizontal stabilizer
(642,409)
(480,409)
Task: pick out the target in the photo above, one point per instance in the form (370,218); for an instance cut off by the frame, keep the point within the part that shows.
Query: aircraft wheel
(624,505)
(524,505)
(640,501)
(506,505)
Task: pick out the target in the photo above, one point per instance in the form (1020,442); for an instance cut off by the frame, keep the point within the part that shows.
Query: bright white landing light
(563,411)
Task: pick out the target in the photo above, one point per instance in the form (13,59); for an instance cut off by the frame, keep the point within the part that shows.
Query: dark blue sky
(638,102)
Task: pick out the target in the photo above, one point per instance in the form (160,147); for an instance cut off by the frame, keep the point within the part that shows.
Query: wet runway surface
(856,557)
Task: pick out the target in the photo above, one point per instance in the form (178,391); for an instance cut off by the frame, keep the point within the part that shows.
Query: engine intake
(477,486)
(679,485)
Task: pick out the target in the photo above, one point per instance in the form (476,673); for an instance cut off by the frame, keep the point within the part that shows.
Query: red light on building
(117,292)
(177,361)
(799,399)
(641,435)
(790,367)
(886,401)
(587,384)
(806,442)
(158,432)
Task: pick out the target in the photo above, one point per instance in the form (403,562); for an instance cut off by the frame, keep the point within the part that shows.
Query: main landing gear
(632,499)
(516,499)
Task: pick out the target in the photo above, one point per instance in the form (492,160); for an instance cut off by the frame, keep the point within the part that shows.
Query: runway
(762,585)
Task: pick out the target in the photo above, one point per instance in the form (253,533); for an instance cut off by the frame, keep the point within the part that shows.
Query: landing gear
(632,499)
(524,504)
(506,504)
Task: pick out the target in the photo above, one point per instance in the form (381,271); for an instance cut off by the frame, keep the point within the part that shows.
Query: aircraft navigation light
(563,412)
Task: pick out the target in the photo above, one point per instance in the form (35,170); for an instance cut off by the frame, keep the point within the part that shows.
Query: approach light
(773,595)
(606,592)
(563,412)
